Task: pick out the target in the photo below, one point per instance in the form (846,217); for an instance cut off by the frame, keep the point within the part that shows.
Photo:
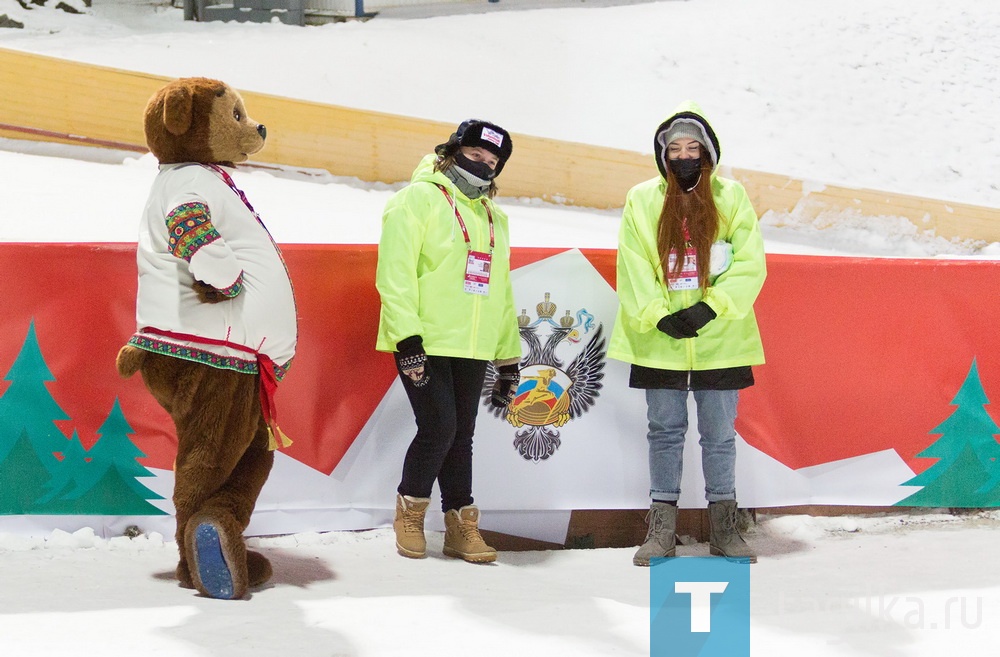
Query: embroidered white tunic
(197,227)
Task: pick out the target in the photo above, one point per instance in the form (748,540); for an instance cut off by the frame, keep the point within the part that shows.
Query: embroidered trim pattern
(197,355)
(280,372)
(241,365)
(189,227)
(234,289)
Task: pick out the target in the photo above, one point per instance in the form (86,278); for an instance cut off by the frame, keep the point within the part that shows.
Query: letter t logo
(701,602)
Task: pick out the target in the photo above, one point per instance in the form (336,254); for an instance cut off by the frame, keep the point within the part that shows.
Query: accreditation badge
(477,273)
(687,279)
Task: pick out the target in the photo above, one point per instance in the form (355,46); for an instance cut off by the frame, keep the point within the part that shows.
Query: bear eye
(236,114)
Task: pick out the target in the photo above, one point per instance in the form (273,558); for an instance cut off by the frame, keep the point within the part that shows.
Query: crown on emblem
(523,319)
(566,321)
(546,309)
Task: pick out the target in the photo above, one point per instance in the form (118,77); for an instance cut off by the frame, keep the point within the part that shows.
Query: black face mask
(687,172)
(480,170)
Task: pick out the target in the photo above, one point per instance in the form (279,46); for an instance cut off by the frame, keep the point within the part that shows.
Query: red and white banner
(866,359)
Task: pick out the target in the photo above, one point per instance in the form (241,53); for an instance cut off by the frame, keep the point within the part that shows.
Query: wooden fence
(45,98)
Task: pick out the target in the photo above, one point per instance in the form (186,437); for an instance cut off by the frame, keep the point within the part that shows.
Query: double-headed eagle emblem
(551,394)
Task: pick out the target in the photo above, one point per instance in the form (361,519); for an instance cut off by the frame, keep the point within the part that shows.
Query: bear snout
(262,131)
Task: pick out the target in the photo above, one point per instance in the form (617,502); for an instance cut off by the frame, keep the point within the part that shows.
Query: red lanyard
(243,197)
(239,192)
(465,231)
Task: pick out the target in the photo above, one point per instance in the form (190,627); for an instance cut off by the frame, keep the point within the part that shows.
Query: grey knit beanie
(690,129)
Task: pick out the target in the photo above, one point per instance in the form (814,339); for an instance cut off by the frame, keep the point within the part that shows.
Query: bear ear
(177,110)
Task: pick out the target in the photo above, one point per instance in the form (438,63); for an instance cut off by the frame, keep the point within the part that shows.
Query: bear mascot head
(216,327)
(201,120)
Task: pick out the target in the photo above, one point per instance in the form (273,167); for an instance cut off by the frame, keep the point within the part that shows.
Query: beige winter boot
(462,538)
(409,526)
(724,539)
(661,537)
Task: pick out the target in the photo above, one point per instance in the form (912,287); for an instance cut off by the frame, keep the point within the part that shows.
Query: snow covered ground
(888,586)
(898,95)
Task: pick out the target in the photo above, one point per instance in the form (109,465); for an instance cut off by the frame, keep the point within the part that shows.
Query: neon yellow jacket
(421,273)
(732,338)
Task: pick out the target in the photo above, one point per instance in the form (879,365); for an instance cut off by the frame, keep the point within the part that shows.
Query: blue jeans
(668,423)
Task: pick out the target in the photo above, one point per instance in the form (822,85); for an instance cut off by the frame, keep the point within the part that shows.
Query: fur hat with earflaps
(482,134)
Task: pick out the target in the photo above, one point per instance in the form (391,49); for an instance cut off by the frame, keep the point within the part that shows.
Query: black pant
(445,410)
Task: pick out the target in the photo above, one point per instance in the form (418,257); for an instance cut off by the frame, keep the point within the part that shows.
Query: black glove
(412,361)
(508,378)
(697,315)
(686,323)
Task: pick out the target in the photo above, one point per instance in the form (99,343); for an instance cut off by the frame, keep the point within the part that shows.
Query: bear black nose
(262,131)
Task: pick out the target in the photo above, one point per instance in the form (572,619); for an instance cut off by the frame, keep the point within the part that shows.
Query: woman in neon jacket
(690,266)
(447,312)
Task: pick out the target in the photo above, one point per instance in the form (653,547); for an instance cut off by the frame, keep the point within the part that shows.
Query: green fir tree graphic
(73,462)
(967,473)
(27,406)
(43,472)
(109,478)
(22,478)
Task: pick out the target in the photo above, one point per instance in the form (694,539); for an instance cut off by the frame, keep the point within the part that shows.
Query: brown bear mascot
(216,328)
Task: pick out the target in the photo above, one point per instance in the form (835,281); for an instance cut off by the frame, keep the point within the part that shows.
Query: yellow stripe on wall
(50,99)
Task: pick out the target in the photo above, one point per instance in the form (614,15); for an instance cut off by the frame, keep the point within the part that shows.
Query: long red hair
(694,210)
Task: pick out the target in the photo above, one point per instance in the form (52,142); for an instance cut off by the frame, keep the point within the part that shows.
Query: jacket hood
(689,113)
(425,172)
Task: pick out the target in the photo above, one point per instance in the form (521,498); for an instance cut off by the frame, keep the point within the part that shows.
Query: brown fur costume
(222,441)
